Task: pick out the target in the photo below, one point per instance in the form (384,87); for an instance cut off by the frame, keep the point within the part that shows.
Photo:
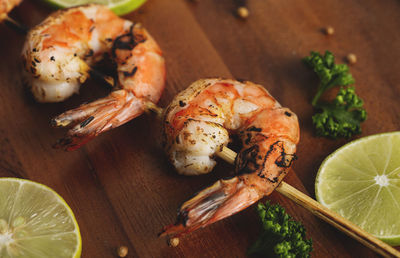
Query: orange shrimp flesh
(268,132)
(59,52)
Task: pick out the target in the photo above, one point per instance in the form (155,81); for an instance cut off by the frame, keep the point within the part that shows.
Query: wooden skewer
(150,106)
(15,25)
(100,76)
(313,206)
(324,213)
(96,74)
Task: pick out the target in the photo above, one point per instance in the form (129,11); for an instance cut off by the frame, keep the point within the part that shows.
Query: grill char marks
(252,159)
(248,160)
(286,160)
(131,73)
(126,41)
(253,129)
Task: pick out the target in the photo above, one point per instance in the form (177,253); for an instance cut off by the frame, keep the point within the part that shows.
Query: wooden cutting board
(120,185)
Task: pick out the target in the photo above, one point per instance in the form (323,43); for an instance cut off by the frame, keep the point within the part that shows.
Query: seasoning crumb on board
(173,242)
(329,30)
(243,12)
(122,251)
(351,58)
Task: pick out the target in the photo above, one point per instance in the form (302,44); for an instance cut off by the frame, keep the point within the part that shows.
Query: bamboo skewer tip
(15,25)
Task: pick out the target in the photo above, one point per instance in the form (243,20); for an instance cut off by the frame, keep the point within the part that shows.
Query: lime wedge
(361,182)
(119,7)
(35,222)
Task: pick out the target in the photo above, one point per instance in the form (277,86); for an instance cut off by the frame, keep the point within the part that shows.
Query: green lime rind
(118,7)
(361,182)
(40,219)
(127,7)
(392,240)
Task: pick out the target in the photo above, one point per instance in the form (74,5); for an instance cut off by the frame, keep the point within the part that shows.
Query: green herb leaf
(344,115)
(281,236)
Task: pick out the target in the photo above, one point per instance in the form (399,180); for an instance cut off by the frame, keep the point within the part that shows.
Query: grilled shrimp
(57,57)
(6,6)
(197,124)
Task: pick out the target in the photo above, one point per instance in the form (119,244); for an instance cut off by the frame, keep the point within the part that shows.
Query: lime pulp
(35,222)
(361,182)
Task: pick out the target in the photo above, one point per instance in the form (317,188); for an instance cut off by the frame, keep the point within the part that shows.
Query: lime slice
(361,182)
(35,222)
(119,7)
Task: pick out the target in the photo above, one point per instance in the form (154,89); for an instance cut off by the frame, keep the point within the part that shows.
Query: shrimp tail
(92,119)
(222,199)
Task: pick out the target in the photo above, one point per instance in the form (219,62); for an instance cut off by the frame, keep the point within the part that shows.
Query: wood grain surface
(120,185)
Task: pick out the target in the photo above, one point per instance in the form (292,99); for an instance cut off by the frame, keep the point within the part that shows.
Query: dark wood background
(121,187)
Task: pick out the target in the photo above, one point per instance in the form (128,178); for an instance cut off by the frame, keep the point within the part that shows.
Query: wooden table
(120,185)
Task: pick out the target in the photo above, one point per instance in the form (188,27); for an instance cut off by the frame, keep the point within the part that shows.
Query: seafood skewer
(196,126)
(59,52)
(195,130)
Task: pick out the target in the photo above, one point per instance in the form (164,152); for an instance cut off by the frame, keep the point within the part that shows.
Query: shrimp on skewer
(6,6)
(196,126)
(57,57)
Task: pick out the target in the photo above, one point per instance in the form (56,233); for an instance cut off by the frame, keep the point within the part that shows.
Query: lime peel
(119,7)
